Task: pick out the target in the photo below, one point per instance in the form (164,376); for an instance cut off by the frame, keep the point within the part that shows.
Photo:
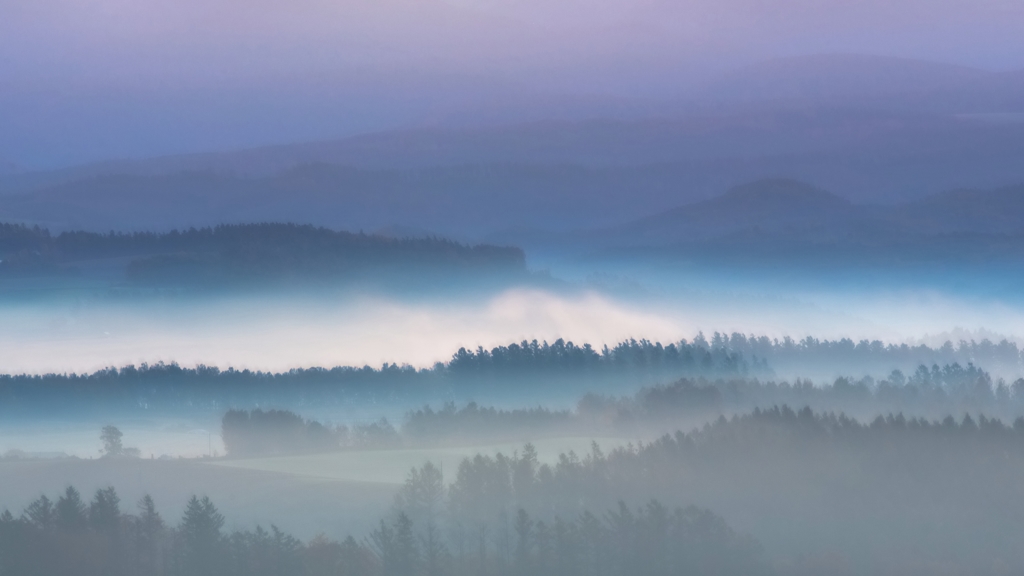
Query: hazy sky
(88,79)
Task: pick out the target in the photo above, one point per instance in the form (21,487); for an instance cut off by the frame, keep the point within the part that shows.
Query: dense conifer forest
(238,255)
(70,536)
(952,389)
(743,373)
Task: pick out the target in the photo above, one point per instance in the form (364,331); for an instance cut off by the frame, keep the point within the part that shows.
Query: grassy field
(392,466)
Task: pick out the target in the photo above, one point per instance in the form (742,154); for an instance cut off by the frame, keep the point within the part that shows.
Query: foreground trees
(75,538)
(824,493)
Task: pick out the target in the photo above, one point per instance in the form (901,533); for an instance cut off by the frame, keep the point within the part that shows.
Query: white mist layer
(279,334)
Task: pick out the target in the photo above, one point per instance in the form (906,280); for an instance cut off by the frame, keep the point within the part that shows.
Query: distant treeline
(536,367)
(260,432)
(247,252)
(933,392)
(74,538)
(171,386)
(274,431)
(846,356)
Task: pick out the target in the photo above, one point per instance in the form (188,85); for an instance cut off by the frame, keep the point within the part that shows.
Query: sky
(84,80)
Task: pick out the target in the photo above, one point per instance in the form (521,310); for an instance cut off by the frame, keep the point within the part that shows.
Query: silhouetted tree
(202,550)
(111,438)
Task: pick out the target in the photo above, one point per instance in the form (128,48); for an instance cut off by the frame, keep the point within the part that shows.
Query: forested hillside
(241,255)
(743,371)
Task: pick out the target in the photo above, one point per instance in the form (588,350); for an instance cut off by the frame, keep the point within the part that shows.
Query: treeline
(934,392)
(247,252)
(529,364)
(536,367)
(274,432)
(810,355)
(259,432)
(629,355)
(71,537)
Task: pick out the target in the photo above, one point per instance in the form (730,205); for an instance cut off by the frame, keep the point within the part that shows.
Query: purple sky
(83,80)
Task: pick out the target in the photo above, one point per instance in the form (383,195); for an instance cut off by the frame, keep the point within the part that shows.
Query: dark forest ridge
(772,218)
(470,201)
(233,254)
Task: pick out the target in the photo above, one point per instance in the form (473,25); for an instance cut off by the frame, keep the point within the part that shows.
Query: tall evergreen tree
(149,539)
(202,552)
(70,511)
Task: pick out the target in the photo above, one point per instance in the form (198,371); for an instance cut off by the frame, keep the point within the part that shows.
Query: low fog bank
(165,368)
(686,403)
(281,331)
(518,392)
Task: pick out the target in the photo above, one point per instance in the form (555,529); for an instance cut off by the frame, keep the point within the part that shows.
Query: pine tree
(434,551)
(104,511)
(524,544)
(407,558)
(70,511)
(40,514)
(545,548)
(356,560)
(202,541)
(149,532)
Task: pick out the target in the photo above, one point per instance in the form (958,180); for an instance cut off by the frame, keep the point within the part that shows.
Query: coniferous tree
(523,562)
(356,559)
(70,512)
(149,539)
(40,514)
(105,511)
(202,550)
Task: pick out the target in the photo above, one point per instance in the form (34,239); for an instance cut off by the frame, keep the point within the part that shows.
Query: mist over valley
(509,288)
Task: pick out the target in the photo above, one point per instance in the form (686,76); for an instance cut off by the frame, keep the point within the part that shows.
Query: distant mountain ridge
(767,205)
(461,201)
(733,106)
(240,255)
(551,176)
(789,211)
(869,129)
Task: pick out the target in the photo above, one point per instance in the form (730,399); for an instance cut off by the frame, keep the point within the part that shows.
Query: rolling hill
(469,184)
